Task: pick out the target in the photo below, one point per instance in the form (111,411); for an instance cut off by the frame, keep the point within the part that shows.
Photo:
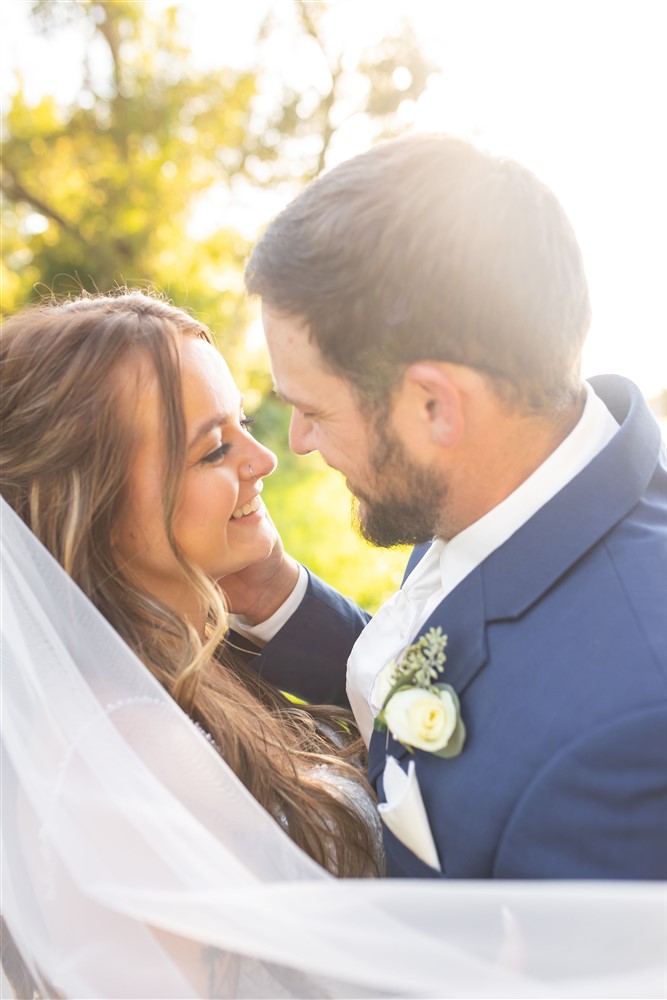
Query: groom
(425,307)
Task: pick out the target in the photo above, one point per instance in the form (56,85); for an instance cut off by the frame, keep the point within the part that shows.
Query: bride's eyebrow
(219,420)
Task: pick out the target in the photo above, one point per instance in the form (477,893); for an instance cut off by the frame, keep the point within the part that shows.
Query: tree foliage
(101,193)
(104,191)
(128,184)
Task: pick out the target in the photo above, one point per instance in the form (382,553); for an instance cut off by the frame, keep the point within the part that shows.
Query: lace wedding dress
(135,864)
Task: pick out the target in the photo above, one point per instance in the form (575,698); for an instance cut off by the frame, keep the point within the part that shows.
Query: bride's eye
(247,423)
(216,456)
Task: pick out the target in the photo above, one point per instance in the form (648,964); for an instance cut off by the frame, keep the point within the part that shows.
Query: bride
(172,831)
(127,452)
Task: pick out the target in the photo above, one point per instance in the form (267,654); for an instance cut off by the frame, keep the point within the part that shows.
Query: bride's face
(220,524)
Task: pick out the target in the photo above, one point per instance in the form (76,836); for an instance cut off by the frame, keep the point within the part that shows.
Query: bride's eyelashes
(219,453)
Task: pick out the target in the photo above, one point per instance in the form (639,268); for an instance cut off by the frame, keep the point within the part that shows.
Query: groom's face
(397,499)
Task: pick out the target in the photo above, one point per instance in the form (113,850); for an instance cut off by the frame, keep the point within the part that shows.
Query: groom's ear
(432,400)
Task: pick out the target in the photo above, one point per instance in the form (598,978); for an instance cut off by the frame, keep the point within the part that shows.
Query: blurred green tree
(100,193)
(103,192)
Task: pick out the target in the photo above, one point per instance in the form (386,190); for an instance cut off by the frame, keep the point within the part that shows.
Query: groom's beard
(405,505)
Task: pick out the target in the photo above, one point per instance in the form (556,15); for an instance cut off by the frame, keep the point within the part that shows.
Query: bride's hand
(257,591)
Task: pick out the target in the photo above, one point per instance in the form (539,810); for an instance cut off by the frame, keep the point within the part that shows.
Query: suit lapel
(462,618)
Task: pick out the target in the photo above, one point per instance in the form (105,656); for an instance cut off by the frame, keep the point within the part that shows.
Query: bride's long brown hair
(67,446)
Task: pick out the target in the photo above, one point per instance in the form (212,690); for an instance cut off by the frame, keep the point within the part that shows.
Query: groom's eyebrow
(305,406)
(285,399)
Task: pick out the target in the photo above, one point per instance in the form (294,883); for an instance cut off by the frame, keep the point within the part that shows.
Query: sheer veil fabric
(135,864)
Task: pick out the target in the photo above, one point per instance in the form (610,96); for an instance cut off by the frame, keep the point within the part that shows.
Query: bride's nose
(260,462)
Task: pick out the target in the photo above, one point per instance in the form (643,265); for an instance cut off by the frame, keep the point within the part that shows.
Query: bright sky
(575,89)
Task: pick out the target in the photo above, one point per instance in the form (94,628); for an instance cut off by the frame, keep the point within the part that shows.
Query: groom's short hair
(427,248)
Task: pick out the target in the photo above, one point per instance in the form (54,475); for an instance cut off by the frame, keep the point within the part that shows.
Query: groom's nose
(300,432)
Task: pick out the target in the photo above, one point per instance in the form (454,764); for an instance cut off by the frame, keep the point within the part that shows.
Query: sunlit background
(575,90)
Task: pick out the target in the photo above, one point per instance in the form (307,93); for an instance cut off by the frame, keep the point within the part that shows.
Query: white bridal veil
(135,864)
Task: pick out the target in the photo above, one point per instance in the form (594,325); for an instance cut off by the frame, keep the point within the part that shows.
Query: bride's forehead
(205,374)
(196,353)
(202,378)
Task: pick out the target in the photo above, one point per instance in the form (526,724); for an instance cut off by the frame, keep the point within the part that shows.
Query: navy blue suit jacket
(557,647)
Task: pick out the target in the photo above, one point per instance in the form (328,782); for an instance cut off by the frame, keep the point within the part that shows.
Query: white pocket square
(404,813)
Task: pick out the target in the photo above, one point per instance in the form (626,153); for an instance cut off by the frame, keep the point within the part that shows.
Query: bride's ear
(434,399)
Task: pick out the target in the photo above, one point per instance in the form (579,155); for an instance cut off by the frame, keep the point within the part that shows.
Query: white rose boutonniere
(417,711)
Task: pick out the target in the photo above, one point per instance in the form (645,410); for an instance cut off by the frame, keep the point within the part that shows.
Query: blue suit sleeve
(308,656)
(598,811)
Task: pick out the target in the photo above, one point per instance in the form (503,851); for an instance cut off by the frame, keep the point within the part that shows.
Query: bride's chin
(255,551)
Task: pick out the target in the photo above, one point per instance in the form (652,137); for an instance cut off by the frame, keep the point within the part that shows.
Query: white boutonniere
(419,711)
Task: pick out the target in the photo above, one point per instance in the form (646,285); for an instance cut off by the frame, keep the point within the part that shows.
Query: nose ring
(252,475)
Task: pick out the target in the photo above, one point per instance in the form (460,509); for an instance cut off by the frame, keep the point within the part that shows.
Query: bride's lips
(248,508)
